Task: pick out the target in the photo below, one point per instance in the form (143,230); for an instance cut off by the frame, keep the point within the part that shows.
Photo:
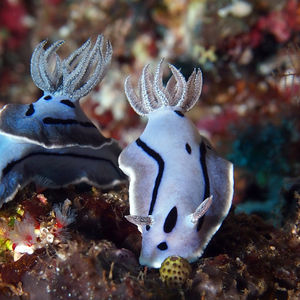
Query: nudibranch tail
(153,94)
(74,76)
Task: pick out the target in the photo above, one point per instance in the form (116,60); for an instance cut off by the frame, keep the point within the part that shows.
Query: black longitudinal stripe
(12,164)
(30,110)
(161,166)
(206,179)
(162,246)
(188,148)
(53,121)
(204,170)
(68,103)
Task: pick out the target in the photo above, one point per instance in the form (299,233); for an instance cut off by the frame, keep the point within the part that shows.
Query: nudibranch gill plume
(51,142)
(180,189)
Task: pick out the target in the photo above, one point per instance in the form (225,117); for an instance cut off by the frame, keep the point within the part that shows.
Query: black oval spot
(179,113)
(30,110)
(47,97)
(162,246)
(171,220)
(147,227)
(68,103)
(188,148)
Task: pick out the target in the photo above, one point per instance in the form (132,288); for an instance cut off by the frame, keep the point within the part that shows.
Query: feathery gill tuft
(74,76)
(153,94)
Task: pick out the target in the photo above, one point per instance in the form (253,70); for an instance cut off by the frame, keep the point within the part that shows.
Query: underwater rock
(246,259)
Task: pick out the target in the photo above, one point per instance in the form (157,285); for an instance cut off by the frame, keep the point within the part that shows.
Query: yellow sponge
(175,271)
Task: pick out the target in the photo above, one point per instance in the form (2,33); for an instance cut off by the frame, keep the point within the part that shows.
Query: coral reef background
(249,54)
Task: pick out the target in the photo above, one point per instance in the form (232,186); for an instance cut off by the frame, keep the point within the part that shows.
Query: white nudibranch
(180,189)
(51,142)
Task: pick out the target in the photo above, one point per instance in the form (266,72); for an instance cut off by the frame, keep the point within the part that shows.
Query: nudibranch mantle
(180,189)
(51,142)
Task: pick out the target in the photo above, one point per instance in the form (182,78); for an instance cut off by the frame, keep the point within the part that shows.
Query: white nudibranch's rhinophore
(180,189)
(51,142)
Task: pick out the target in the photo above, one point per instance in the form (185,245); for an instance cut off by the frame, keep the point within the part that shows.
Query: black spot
(179,113)
(53,121)
(171,220)
(162,246)
(68,103)
(147,227)
(30,110)
(188,148)
(47,97)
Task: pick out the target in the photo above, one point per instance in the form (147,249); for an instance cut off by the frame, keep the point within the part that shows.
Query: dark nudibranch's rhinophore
(180,189)
(51,142)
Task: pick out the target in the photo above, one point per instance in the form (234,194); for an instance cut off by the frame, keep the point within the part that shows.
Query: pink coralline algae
(218,124)
(54,2)
(12,23)
(282,23)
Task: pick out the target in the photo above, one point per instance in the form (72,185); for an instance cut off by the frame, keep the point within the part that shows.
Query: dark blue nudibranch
(51,142)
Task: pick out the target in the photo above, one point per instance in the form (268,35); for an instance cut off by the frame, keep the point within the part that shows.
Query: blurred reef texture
(78,244)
